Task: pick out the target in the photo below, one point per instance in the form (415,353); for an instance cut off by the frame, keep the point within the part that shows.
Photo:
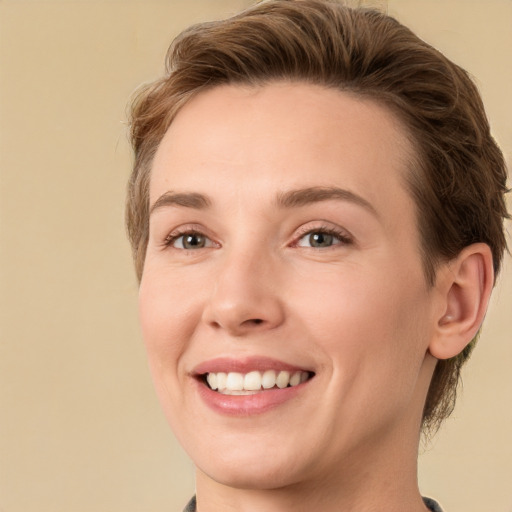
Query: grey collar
(432,505)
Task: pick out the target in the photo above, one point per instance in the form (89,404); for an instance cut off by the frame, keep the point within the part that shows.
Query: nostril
(256,321)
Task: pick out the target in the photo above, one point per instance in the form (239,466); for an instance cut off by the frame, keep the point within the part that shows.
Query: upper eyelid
(328,228)
(191,227)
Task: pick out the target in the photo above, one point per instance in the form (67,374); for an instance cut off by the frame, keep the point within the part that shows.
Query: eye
(322,238)
(188,241)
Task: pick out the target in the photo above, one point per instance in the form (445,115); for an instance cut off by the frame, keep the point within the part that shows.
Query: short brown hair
(458,178)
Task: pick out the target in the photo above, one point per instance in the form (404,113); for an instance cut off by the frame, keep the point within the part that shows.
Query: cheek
(167,306)
(368,321)
(167,318)
(166,325)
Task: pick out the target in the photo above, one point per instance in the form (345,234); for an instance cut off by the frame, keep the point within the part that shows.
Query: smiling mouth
(234,383)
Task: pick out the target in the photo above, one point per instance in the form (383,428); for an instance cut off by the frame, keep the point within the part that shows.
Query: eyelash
(339,234)
(175,235)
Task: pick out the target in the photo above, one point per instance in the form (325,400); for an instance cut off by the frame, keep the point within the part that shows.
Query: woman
(316,213)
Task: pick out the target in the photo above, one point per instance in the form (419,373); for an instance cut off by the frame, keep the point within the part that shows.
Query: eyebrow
(185,199)
(305,196)
(288,199)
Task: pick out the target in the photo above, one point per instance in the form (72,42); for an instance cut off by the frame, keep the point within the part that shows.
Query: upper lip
(244,365)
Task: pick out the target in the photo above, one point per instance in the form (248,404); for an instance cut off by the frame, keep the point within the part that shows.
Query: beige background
(80,428)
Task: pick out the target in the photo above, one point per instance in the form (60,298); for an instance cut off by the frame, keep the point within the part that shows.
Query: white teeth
(283,379)
(295,379)
(211,378)
(252,381)
(268,380)
(235,383)
(221,380)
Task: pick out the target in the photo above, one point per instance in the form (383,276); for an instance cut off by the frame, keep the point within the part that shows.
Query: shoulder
(432,505)
(191,505)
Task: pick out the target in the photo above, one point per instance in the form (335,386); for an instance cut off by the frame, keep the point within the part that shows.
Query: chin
(249,476)
(259,467)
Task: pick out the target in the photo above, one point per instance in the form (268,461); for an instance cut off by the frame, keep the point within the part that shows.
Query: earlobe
(465,286)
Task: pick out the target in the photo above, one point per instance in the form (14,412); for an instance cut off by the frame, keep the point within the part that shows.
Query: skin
(358,313)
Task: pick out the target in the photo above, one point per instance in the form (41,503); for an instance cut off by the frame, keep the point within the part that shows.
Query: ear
(464,285)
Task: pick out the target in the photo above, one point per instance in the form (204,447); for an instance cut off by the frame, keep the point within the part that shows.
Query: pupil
(193,241)
(320,239)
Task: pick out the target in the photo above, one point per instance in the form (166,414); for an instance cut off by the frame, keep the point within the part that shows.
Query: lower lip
(245,405)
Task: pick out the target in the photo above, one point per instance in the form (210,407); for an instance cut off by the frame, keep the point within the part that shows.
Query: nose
(245,295)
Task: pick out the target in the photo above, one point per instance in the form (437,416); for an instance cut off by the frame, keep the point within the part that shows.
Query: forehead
(293,134)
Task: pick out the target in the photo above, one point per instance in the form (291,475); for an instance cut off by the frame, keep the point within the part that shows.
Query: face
(283,271)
